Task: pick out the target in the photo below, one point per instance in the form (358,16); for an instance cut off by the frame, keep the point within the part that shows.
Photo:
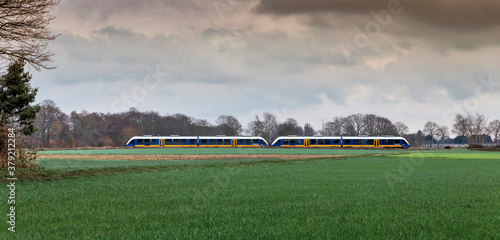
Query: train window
(204,141)
(242,142)
(355,142)
(255,141)
(369,142)
(192,141)
(292,141)
(336,141)
(390,141)
(168,141)
(147,141)
(347,141)
(383,142)
(140,141)
(363,142)
(286,141)
(313,142)
(183,142)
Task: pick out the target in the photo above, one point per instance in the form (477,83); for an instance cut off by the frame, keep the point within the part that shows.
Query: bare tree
(46,122)
(228,125)
(431,129)
(256,127)
(308,130)
(335,127)
(270,126)
(479,128)
(494,129)
(289,127)
(202,127)
(401,128)
(461,126)
(354,124)
(473,127)
(370,121)
(266,128)
(442,133)
(24,31)
(384,126)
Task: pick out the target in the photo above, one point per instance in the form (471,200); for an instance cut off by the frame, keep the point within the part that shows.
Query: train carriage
(193,141)
(344,142)
(295,141)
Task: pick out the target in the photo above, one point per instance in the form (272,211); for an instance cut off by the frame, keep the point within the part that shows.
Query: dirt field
(181,157)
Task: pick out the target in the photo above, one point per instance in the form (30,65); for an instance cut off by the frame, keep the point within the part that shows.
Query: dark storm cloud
(454,14)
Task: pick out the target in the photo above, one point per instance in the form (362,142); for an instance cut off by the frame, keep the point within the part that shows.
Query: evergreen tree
(16,111)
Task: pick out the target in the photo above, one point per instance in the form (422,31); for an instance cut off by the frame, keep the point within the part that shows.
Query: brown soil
(180,157)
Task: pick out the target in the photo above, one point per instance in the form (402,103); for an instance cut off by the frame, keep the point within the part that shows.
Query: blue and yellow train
(342,142)
(179,141)
(288,141)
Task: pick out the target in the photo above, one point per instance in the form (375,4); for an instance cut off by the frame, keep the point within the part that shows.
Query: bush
(23,158)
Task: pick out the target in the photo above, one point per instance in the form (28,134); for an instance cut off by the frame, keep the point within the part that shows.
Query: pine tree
(16,109)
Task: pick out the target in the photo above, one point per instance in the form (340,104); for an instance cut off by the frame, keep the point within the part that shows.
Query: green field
(413,195)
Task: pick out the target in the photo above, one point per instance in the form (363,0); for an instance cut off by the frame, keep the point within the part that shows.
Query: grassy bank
(358,197)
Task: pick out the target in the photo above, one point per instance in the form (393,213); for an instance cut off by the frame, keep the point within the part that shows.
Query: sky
(409,61)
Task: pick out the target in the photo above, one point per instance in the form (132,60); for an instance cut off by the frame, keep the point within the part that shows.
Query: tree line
(469,128)
(56,129)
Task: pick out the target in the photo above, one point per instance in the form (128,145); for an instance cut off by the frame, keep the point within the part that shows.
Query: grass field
(413,195)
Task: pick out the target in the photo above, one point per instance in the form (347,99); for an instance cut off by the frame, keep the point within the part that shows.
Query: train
(149,141)
(193,141)
(342,142)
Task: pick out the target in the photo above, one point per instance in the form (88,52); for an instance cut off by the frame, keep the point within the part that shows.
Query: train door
(233,142)
(162,142)
(306,142)
(377,143)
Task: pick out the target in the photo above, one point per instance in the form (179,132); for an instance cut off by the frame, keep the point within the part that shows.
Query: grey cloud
(103,10)
(460,15)
(257,65)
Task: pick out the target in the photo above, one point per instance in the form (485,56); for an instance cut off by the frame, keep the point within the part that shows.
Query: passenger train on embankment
(284,142)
